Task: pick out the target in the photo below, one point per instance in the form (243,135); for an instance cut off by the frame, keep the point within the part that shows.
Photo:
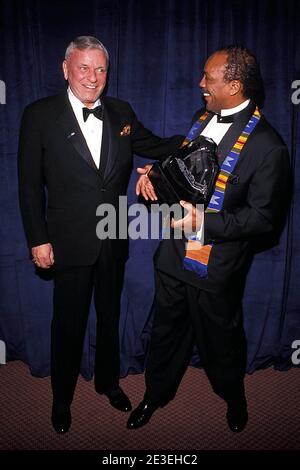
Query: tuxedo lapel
(105,145)
(109,149)
(234,132)
(67,120)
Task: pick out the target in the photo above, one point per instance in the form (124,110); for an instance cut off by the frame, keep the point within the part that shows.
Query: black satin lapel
(111,129)
(68,122)
(228,140)
(234,132)
(104,147)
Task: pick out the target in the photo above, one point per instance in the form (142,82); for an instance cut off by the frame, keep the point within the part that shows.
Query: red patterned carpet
(195,420)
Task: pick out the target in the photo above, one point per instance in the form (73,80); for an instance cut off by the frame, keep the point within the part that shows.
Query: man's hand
(43,256)
(192,221)
(144,185)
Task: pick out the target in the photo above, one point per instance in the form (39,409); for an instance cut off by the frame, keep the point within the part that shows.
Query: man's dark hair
(243,66)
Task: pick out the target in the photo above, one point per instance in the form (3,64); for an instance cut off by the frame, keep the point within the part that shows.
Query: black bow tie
(225,119)
(97,112)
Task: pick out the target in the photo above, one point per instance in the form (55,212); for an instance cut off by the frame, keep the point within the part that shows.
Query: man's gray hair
(86,42)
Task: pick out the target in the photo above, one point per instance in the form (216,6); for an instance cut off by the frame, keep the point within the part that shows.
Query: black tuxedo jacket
(53,154)
(255,199)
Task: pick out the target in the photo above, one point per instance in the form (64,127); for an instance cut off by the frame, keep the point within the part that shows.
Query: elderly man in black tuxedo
(80,146)
(199,284)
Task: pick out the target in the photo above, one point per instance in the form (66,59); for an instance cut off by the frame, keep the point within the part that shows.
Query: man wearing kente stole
(199,280)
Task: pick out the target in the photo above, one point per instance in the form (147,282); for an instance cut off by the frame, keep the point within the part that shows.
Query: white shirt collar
(236,109)
(76,103)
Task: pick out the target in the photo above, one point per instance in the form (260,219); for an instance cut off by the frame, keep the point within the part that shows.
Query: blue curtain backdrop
(158,49)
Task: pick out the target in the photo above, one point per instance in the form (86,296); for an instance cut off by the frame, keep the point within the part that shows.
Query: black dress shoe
(237,417)
(141,415)
(119,400)
(61,420)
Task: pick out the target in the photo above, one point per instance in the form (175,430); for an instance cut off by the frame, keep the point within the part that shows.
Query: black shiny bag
(189,174)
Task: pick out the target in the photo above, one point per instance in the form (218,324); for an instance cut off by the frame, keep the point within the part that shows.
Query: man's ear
(65,69)
(235,87)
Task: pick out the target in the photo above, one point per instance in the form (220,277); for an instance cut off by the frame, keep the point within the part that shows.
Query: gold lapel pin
(126,130)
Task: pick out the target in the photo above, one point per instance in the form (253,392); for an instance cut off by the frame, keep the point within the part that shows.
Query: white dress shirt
(216,131)
(91,128)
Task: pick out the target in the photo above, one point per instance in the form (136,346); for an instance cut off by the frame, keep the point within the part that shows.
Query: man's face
(86,72)
(216,92)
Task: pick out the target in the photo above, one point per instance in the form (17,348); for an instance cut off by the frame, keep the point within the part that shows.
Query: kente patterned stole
(197,256)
